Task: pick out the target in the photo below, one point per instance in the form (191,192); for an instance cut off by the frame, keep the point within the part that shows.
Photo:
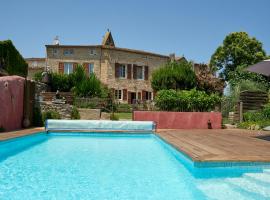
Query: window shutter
(116,70)
(146,73)
(134,71)
(124,94)
(129,71)
(75,66)
(143,95)
(86,68)
(129,97)
(139,96)
(61,68)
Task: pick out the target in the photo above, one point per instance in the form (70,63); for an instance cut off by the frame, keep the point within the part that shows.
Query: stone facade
(118,68)
(35,65)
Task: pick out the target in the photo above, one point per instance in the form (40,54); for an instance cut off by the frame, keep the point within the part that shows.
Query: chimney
(56,41)
(172,57)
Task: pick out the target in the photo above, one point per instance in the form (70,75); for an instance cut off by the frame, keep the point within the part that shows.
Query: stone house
(126,71)
(35,65)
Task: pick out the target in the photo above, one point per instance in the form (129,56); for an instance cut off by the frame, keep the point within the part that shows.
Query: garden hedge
(11,60)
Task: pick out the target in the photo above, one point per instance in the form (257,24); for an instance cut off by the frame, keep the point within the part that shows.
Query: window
(148,95)
(68,68)
(122,71)
(92,52)
(139,72)
(118,94)
(55,51)
(91,68)
(68,52)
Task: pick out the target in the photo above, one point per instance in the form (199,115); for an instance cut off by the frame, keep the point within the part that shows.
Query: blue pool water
(117,166)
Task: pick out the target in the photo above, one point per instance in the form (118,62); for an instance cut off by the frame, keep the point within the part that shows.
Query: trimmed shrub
(174,75)
(183,100)
(50,115)
(11,60)
(75,113)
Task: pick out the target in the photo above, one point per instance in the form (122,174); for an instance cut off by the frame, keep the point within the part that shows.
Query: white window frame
(68,52)
(69,67)
(89,68)
(142,78)
(120,73)
(119,92)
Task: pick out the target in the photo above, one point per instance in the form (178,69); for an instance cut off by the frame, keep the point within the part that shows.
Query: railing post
(241,111)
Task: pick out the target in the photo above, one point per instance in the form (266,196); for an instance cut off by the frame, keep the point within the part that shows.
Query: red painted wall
(11,102)
(180,120)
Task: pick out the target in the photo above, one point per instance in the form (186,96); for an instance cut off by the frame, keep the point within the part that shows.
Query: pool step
(219,190)
(251,186)
(260,178)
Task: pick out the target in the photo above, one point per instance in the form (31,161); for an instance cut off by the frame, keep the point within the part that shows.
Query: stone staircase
(248,186)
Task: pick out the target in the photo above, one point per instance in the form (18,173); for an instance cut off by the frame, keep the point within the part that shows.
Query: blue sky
(193,28)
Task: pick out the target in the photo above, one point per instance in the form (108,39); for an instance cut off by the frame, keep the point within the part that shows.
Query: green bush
(75,113)
(89,87)
(50,115)
(123,107)
(11,59)
(79,83)
(256,120)
(114,117)
(60,82)
(183,100)
(38,76)
(174,75)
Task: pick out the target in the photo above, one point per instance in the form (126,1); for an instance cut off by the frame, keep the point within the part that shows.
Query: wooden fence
(251,101)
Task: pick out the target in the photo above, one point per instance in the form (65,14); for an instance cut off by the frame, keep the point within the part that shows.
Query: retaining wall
(180,120)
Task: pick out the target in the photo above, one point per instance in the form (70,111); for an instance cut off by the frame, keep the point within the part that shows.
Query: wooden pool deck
(19,133)
(231,145)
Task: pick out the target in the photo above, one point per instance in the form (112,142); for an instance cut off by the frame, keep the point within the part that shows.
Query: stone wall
(89,114)
(180,120)
(63,109)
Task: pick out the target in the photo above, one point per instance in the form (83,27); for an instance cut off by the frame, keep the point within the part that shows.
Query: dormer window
(68,52)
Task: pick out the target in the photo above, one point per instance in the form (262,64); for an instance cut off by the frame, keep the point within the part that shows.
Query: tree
(174,75)
(238,49)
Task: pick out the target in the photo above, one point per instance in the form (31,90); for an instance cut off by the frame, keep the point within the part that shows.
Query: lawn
(124,115)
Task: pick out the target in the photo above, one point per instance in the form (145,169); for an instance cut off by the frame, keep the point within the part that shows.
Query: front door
(131,97)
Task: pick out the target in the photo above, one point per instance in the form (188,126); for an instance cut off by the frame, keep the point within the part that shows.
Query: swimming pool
(117,166)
